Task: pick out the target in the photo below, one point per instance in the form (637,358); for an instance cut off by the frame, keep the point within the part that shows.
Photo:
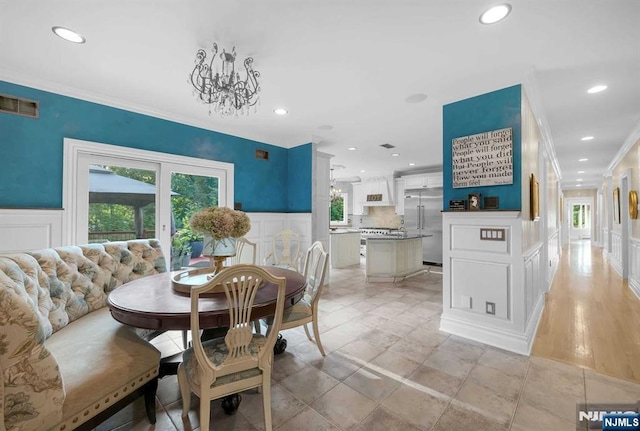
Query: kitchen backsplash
(377,217)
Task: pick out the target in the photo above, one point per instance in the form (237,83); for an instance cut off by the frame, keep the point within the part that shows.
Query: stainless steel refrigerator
(423,216)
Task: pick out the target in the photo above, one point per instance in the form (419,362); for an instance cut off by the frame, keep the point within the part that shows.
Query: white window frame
(345,210)
(75,180)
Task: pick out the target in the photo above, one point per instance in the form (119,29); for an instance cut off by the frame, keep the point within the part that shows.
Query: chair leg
(205,409)
(266,398)
(316,332)
(185,343)
(306,330)
(185,391)
(150,390)
(256,326)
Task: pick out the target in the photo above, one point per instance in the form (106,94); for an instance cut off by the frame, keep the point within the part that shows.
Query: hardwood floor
(591,317)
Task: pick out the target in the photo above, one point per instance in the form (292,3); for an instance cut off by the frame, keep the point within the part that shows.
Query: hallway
(591,318)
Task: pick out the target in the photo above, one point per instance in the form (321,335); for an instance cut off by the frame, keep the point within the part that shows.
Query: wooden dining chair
(242,359)
(285,251)
(306,310)
(246,252)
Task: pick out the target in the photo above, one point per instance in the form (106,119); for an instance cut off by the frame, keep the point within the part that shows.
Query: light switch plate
(493,234)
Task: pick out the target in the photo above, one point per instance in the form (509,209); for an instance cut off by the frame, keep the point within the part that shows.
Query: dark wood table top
(152,303)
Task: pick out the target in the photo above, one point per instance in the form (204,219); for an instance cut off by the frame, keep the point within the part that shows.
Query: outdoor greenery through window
(339,208)
(582,216)
(122,203)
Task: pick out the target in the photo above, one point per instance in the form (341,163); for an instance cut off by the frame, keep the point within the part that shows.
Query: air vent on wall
(387,146)
(262,154)
(15,105)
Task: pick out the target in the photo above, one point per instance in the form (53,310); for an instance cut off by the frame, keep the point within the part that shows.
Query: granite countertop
(342,231)
(397,238)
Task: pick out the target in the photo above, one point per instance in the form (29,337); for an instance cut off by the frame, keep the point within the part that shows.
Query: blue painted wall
(31,174)
(299,178)
(496,110)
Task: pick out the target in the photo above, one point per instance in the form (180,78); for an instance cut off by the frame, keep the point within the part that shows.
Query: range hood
(377,193)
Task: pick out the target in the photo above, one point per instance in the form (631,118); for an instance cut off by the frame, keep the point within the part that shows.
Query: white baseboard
(520,343)
(634,285)
(616,265)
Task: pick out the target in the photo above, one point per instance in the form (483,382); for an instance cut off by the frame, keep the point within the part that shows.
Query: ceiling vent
(15,105)
(387,146)
(262,154)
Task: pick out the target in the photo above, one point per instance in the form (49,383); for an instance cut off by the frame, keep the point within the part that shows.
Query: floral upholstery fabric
(217,351)
(41,292)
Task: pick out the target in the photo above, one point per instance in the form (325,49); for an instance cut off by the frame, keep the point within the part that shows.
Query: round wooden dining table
(152,303)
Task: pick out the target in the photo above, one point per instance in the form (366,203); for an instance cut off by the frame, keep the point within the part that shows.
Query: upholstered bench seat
(65,362)
(100,359)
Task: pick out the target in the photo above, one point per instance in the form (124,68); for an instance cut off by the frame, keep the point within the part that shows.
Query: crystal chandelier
(224,90)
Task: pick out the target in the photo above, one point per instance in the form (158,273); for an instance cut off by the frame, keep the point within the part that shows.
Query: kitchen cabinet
(345,249)
(399,198)
(359,197)
(423,181)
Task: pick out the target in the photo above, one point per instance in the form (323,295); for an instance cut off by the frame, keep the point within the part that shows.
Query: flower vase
(218,250)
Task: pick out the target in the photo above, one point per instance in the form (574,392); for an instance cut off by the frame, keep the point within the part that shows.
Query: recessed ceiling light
(582,160)
(362,171)
(581,172)
(352,148)
(280,111)
(416,98)
(596,89)
(495,14)
(68,35)
(412,164)
(325,127)
(578,185)
(586,138)
(395,154)
(579,179)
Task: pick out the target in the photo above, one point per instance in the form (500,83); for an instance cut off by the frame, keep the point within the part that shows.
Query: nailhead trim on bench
(78,420)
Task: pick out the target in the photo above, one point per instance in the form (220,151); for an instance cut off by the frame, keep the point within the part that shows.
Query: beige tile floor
(388,367)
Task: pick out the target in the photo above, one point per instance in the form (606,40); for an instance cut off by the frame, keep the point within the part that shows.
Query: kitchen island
(344,249)
(389,258)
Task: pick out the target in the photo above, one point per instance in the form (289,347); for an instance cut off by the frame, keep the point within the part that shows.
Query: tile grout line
(524,382)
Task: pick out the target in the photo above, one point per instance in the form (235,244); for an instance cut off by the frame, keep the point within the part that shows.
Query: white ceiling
(348,64)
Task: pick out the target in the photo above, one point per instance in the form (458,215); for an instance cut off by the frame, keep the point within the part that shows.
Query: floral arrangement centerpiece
(220,226)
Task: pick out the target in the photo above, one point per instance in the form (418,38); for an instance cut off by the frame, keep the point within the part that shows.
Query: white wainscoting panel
(475,282)
(553,253)
(615,256)
(265,225)
(30,229)
(605,243)
(477,271)
(634,268)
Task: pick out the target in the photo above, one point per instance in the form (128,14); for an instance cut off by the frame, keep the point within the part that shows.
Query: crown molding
(63,90)
(633,137)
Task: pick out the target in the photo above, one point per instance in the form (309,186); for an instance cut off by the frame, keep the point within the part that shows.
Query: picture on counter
(491,202)
(474,201)
(458,205)
(616,205)
(534,200)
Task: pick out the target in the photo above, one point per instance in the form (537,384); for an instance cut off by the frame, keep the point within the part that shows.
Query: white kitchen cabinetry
(345,249)
(423,181)
(359,197)
(399,198)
